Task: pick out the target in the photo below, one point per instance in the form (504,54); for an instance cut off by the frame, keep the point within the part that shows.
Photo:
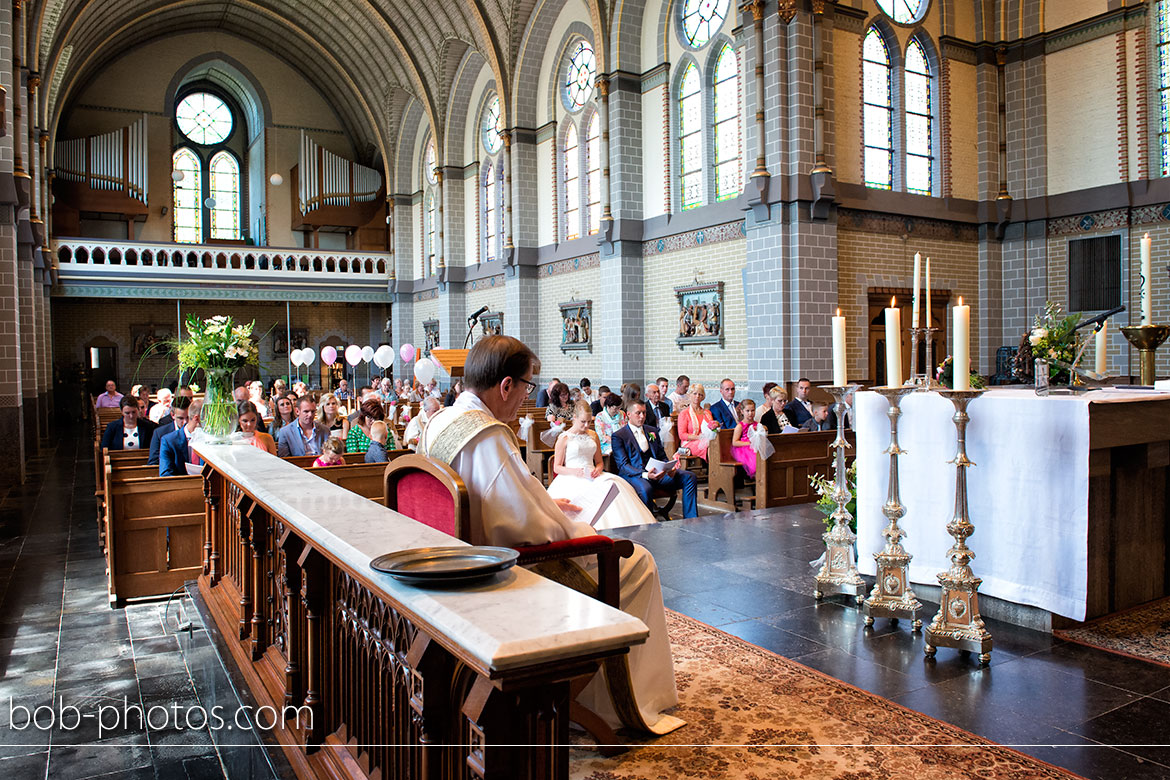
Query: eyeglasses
(531,385)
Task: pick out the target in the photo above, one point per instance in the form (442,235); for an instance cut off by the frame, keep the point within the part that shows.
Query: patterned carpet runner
(1141,632)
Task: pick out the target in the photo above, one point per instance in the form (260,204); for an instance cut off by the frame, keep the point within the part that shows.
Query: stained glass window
(571,162)
(186,207)
(429,163)
(429,227)
(492,126)
(490,212)
(225,189)
(727,149)
(580,75)
(904,11)
(690,122)
(204,118)
(1162,20)
(919,157)
(701,19)
(876,109)
(593,172)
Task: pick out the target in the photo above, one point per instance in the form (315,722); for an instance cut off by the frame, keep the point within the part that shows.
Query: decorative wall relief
(149,338)
(577,326)
(430,336)
(280,345)
(700,314)
(492,323)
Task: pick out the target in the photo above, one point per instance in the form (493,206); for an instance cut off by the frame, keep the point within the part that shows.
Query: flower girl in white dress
(579,468)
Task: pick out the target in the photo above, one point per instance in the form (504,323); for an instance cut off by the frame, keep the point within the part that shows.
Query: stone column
(402,309)
(452,299)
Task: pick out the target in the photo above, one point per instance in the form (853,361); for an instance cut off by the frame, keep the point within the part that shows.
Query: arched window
(701,19)
(429,164)
(878,110)
(188,211)
(690,126)
(593,172)
(919,151)
(225,192)
(727,149)
(429,229)
(491,126)
(571,164)
(491,212)
(1162,26)
(904,11)
(580,74)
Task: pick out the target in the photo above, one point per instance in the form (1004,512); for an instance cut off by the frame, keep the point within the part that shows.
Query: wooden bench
(538,454)
(722,470)
(783,479)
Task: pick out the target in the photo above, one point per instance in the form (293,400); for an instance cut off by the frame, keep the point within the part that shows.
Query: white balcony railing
(89,266)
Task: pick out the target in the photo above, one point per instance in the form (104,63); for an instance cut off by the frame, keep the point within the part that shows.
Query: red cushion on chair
(426,499)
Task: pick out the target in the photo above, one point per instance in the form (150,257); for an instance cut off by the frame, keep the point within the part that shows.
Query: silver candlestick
(958,623)
(928,382)
(915,337)
(839,572)
(892,596)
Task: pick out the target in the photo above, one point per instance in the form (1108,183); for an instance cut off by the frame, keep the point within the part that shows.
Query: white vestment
(510,508)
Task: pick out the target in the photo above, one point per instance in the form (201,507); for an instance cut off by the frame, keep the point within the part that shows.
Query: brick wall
(1082,104)
(555,289)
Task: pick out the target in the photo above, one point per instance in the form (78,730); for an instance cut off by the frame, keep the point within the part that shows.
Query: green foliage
(217,344)
(945,374)
(827,506)
(1053,338)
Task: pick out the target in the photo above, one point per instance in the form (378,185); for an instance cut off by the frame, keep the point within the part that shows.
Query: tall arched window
(571,164)
(1162,28)
(727,149)
(430,179)
(429,229)
(593,172)
(188,190)
(225,192)
(919,151)
(701,19)
(878,110)
(491,212)
(690,113)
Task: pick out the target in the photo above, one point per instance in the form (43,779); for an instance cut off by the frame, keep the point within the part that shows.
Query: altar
(1068,494)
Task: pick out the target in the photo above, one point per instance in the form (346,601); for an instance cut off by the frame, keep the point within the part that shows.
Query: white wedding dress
(625,510)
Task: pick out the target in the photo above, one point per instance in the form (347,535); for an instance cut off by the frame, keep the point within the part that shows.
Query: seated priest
(510,508)
(634,444)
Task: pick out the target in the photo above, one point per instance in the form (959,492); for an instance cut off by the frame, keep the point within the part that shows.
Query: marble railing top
(515,620)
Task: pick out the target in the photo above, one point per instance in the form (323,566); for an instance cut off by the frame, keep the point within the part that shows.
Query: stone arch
(530,58)
(232,77)
(458,117)
(577,30)
(407,154)
(626,40)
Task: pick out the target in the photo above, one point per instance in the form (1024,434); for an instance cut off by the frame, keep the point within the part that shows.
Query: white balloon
(367,353)
(424,370)
(177,176)
(308,356)
(276,180)
(384,356)
(295,357)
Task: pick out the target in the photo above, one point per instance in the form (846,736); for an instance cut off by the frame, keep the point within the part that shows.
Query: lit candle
(962,364)
(917,286)
(838,350)
(1147,319)
(928,322)
(1102,350)
(894,344)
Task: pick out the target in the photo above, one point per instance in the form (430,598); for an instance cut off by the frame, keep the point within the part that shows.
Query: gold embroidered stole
(455,430)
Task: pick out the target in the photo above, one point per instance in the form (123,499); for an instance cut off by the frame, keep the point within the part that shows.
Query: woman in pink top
(690,423)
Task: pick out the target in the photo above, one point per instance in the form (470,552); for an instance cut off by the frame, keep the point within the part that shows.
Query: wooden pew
(537,453)
(783,479)
(721,473)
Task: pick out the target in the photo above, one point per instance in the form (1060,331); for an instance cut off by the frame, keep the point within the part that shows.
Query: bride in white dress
(579,468)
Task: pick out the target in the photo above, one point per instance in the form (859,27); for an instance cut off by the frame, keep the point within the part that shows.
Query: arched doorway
(331,375)
(100,358)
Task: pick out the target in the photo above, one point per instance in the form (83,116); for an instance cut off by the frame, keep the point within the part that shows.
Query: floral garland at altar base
(218,347)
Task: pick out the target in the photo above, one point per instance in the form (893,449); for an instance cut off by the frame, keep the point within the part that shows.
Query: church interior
(816,346)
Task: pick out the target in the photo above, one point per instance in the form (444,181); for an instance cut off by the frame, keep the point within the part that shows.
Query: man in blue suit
(799,409)
(633,445)
(304,437)
(175,450)
(726,409)
(175,420)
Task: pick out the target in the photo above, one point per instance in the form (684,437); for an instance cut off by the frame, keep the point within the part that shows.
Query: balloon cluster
(383,357)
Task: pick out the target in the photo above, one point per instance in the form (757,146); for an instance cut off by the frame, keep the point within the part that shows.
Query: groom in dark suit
(633,445)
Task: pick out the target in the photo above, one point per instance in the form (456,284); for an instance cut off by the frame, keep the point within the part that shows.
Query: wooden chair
(432,493)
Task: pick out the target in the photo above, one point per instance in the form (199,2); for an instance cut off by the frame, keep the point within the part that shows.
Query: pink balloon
(328,356)
(406,353)
(353,354)
(435,360)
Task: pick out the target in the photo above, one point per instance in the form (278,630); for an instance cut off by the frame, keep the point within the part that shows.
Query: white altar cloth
(1027,494)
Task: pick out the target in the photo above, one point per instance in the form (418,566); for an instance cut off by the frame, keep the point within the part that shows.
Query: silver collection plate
(441,565)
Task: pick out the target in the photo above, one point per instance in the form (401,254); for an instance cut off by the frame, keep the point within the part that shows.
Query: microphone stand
(471,323)
(1074,369)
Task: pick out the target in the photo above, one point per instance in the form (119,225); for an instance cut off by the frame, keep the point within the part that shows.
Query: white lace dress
(627,509)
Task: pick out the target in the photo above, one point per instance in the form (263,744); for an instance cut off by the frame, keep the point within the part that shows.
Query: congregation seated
(177,418)
(741,447)
(774,419)
(175,450)
(162,407)
(386,393)
(559,409)
(691,422)
(634,445)
(284,412)
(596,406)
(379,435)
(131,431)
(329,415)
(588,394)
(725,411)
(415,427)
(111,399)
(332,453)
(664,392)
(799,409)
(678,397)
(544,394)
(819,421)
(247,423)
(342,393)
(453,393)
(358,439)
(307,437)
(608,420)
(657,409)
(256,397)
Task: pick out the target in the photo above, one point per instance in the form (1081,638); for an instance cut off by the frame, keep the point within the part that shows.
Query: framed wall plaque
(492,323)
(577,326)
(700,314)
(430,336)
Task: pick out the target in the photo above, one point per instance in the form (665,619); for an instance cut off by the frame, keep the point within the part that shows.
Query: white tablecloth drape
(1027,494)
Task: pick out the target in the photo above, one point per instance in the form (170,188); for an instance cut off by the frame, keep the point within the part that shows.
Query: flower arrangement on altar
(1053,337)
(219,347)
(825,486)
(945,375)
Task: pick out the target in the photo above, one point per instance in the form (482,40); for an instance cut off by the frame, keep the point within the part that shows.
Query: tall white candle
(962,364)
(917,288)
(1102,350)
(928,323)
(839,350)
(893,344)
(1147,318)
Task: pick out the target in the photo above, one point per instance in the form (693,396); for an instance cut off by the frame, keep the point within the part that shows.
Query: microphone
(1100,318)
(482,310)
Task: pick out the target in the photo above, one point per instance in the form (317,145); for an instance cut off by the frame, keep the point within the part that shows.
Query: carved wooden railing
(377,678)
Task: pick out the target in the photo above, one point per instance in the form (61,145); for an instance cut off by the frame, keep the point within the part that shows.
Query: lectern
(451,360)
